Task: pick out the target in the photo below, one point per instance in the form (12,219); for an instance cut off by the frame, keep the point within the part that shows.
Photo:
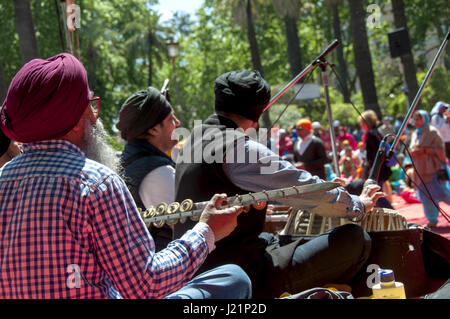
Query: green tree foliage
(115,50)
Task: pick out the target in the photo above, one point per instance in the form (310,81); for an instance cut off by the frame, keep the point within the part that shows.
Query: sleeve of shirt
(125,249)
(158,186)
(262,170)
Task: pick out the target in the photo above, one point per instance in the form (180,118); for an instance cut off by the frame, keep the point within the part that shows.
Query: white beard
(97,147)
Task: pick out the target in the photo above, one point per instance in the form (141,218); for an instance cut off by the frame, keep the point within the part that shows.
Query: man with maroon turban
(70,227)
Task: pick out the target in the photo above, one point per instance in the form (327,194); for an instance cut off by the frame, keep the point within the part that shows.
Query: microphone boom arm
(381,153)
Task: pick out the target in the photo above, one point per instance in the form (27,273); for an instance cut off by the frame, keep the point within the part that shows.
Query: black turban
(242,92)
(142,111)
(4,143)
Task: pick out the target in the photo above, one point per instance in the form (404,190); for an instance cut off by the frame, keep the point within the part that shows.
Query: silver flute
(179,212)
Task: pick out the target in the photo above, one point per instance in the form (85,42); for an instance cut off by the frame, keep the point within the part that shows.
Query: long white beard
(97,147)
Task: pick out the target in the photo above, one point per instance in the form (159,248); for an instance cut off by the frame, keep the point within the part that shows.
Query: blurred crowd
(422,154)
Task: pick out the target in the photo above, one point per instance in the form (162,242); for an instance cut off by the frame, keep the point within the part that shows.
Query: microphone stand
(321,57)
(381,153)
(322,63)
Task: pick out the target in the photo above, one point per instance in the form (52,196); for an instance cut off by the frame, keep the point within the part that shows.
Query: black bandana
(242,92)
(142,111)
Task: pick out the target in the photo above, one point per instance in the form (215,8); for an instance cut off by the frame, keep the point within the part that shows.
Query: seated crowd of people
(308,146)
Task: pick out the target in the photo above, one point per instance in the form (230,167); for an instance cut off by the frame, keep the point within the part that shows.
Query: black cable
(290,101)
(351,102)
(428,195)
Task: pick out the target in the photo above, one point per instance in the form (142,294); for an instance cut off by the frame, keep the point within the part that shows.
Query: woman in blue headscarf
(428,155)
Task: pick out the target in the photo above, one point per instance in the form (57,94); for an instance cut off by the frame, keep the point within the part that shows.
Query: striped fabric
(70,229)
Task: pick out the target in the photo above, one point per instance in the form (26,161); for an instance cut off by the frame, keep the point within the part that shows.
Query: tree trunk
(407,60)
(342,69)
(441,35)
(363,58)
(90,54)
(150,64)
(3,88)
(25,30)
(294,53)
(256,58)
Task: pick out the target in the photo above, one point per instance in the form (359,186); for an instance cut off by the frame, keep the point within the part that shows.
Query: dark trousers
(336,256)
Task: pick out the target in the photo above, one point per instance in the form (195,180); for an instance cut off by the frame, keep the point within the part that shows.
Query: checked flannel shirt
(70,229)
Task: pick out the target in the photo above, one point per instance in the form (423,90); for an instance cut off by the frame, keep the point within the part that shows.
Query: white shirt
(445,132)
(304,143)
(437,121)
(158,186)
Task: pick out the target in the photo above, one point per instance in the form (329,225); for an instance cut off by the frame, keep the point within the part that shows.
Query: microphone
(328,50)
(164,87)
(379,159)
(165,90)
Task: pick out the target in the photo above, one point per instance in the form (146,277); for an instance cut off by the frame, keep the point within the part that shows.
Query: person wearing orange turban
(309,150)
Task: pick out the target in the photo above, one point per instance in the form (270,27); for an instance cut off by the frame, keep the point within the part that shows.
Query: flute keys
(160,210)
(149,212)
(185,206)
(173,208)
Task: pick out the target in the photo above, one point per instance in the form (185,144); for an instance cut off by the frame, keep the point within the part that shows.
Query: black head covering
(242,92)
(142,111)
(4,143)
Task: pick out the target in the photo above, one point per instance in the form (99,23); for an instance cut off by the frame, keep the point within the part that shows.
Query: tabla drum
(302,222)
(383,219)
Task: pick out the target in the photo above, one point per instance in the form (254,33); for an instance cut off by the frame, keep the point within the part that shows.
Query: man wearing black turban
(245,93)
(146,122)
(228,165)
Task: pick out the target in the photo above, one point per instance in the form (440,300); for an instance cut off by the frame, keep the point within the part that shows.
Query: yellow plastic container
(388,288)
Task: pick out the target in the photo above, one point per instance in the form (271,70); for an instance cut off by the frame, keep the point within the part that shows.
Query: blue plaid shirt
(70,229)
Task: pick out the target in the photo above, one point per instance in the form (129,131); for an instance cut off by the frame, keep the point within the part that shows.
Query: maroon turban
(45,99)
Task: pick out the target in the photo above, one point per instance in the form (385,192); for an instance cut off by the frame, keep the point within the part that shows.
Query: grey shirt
(254,167)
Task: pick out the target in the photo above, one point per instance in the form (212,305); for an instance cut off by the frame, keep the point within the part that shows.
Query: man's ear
(154,131)
(79,127)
